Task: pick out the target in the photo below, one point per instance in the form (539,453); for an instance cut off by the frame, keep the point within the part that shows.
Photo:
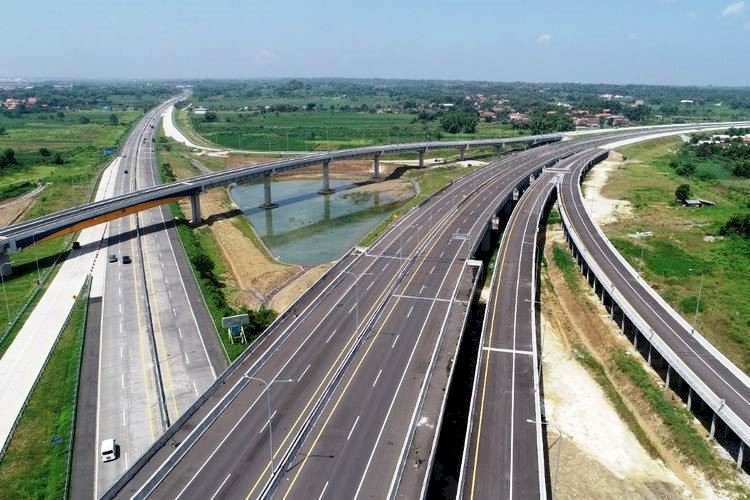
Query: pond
(308,228)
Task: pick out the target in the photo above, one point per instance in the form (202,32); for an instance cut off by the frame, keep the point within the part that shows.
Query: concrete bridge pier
(376,168)
(421,158)
(267,203)
(5,267)
(195,209)
(462,153)
(326,180)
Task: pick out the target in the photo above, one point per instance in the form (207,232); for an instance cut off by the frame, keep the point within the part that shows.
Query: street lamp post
(268,399)
(5,294)
(356,296)
(698,302)
(559,448)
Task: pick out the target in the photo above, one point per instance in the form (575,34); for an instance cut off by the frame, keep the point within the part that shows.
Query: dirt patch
(291,292)
(13,209)
(254,274)
(603,457)
(604,210)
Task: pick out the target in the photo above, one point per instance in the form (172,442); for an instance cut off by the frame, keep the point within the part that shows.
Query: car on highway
(76,245)
(126,171)
(113,258)
(126,259)
(109,450)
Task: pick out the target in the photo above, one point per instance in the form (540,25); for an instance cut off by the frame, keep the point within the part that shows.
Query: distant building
(487,115)
(200,110)
(698,203)
(519,118)
(687,101)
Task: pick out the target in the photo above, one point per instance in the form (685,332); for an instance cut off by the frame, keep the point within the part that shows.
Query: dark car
(126,171)
(76,245)
(113,258)
(126,259)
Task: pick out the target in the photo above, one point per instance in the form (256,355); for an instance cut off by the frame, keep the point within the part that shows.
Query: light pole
(559,449)
(268,398)
(356,296)
(36,259)
(698,302)
(5,294)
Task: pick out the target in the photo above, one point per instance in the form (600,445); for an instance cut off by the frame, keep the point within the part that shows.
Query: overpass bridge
(18,236)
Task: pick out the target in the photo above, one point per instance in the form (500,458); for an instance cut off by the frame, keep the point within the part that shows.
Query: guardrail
(717,405)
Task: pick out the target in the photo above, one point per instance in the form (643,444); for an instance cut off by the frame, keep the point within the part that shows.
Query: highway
(147,317)
(314,348)
(325,351)
(378,403)
(503,455)
(714,378)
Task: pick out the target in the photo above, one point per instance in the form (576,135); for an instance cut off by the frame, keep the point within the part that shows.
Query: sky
(675,42)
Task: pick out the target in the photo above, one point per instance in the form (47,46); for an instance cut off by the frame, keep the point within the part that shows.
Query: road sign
(238,320)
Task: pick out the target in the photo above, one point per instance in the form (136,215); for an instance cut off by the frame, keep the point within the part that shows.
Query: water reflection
(308,228)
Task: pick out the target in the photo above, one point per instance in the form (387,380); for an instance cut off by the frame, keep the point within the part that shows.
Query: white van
(109,450)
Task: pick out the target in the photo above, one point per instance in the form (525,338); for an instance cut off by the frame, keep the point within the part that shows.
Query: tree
(210,116)
(60,115)
(682,192)
(44,152)
(742,169)
(8,158)
(685,170)
(58,159)
(84,120)
(2,130)
(113,119)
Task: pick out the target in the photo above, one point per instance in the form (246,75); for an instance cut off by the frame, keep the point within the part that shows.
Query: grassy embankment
(206,259)
(625,381)
(81,148)
(680,251)
(322,131)
(36,461)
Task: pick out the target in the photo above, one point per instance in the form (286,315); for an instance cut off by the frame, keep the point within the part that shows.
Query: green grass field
(681,250)
(319,131)
(70,184)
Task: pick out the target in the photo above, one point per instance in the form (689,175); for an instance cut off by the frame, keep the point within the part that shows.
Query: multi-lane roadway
(158,350)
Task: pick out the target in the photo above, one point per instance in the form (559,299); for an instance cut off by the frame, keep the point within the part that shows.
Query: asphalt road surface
(503,455)
(137,329)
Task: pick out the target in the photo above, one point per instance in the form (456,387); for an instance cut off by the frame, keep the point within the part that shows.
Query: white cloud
(733,8)
(545,38)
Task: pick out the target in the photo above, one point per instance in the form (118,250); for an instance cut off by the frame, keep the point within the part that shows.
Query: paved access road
(503,454)
(719,376)
(148,314)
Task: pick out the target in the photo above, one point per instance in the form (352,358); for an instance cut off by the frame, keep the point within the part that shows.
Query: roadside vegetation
(655,415)
(691,251)
(36,462)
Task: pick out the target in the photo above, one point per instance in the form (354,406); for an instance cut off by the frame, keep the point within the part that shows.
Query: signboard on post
(235,326)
